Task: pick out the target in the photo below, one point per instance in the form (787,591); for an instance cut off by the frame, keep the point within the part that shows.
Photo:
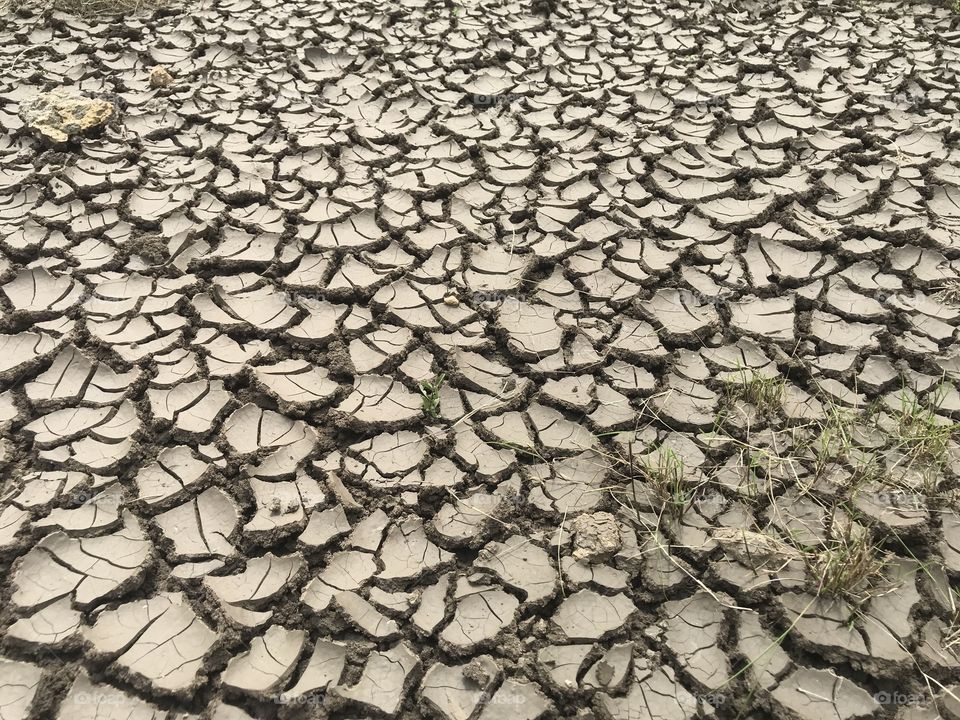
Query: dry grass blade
(850,566)
(83,8)
(764,393)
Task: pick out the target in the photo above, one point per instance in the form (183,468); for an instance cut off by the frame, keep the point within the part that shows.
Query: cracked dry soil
(319,365)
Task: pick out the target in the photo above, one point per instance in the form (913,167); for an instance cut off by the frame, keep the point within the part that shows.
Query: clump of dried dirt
(62,114)
(596,536)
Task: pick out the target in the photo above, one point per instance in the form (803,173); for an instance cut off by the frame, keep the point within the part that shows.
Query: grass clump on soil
(430,390)
(665,476)
(949,292)
(849,565)
(920,433)
(83,8)
(903,442)
(656,481)
(764,393)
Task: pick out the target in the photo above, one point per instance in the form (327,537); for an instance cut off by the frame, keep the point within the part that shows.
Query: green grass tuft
(430,390)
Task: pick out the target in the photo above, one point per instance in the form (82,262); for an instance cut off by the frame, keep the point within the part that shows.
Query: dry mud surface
(225,494)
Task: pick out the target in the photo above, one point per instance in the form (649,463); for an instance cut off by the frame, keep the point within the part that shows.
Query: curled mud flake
(753,549)
(241,248)
(378,402)
(637,341)
(87,570)
(949,545)
(693,630)
(263,669)
(655,694)
(384,682)
(99,514)
(380,348)
(390,459)
(174,471)
(95,439)
(161,640)
(346,570)
(466,521)
(557,433)
(767,661)
(457,691)
(482,612)
(192,407)
(522,565)
(225,357)
(561,664)
(482,374)
(764,318)
(148,206)
(532,330)
(71,488)
(323,669)
(420,306)
(12,521)
(935,648)
(365,617)
(524,701)
(359,232)
(835,334)
(263,309)
(368,534)
(823,623)
(432,608)
(729,211)
(808,693)
(681,315)
(73,378)
(324,527)
(21,350)
(575,393)
(199,529)
(570,485)
(174,367)
(49,627)
(281,444)
(87,700)
(297,382)
(37,292)
(282,507)
(407,553)
(586,615)
(613,669)
(245,597)
(18,688)
(899,512)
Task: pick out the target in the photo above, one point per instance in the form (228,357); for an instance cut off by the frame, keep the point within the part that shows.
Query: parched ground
(477,361)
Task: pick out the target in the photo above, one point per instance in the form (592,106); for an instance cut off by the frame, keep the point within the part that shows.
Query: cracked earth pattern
(223,497)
